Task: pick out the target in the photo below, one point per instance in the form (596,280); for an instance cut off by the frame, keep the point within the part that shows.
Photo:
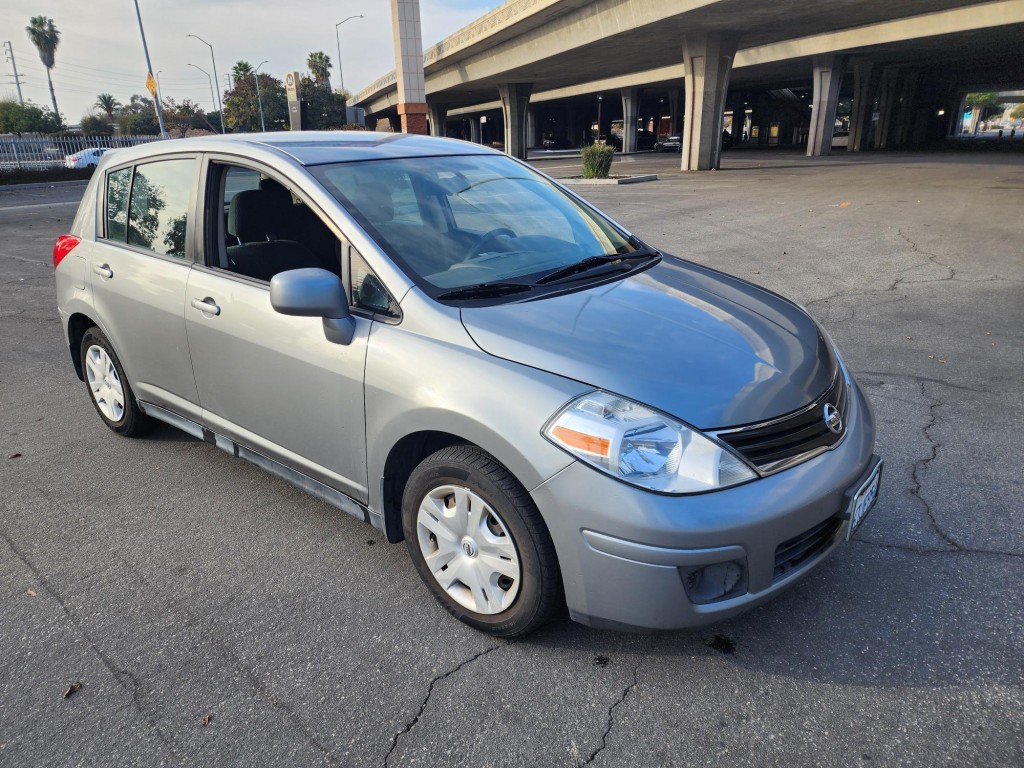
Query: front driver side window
(264,227)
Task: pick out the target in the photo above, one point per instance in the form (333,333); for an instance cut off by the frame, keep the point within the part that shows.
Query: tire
(109,390)
(499,567)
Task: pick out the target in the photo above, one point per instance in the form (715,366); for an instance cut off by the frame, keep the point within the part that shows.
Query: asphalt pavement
(216,616)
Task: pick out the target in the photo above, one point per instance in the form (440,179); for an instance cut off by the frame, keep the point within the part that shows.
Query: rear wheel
(109,388)
(479,543)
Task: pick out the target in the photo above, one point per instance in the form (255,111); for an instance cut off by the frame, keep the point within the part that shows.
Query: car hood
(699,345)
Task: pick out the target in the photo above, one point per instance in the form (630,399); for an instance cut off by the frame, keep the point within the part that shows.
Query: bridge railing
(41,151)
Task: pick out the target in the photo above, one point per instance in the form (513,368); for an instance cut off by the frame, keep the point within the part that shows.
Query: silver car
(445,343)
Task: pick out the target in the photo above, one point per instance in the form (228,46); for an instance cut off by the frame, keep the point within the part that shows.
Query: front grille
(791,554)
(790,439)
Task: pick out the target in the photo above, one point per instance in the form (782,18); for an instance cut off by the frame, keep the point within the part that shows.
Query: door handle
(103,270)
(207,306)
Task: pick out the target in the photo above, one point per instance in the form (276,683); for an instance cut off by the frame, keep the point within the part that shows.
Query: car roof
(318,147)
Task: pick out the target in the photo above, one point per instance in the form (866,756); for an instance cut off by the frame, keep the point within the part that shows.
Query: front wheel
(480,544)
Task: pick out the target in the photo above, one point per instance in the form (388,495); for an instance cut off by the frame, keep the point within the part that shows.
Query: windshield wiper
(485,291)
(592,262)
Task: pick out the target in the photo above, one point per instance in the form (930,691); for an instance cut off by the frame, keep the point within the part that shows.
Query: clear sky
(101,51)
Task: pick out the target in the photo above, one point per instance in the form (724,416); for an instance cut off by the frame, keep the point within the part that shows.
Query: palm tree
(108,104)
(45,37)
(241,69)
(319,64)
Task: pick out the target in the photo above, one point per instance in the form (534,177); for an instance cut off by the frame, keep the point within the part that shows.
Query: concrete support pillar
(438,116)
(630,110)
(674,112)
(865,85)
(531,127)
(904,120)
(707,63)
(887,101)
(515,103)
(828,76)
(396,123)
(412,99)
(474,129)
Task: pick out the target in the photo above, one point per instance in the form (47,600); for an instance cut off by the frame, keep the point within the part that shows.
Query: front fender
(415,383)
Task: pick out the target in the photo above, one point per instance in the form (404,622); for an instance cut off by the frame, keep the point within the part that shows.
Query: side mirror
(314,293)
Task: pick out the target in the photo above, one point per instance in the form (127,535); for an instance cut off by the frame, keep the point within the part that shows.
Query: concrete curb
(43,185)
(620,180)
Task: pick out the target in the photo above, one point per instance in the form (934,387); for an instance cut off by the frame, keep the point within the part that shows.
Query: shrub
(597,161)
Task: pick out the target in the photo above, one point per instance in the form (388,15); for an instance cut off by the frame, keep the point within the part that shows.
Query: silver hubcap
(104,383)
(468,550)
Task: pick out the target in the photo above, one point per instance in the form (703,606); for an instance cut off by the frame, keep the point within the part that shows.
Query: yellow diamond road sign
(151,84)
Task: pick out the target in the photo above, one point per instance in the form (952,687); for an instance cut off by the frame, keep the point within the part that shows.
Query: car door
(139,270)
(271,382)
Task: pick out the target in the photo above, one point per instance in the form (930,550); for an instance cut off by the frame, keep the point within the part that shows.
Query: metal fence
(37,152)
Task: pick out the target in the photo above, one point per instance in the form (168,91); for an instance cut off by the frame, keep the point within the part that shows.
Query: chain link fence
(40,151)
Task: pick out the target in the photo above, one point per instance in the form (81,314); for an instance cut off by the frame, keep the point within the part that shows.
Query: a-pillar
(630,114)
(828,76)
(887,101)
(865,84)
(707,63)
(437,113)
(515,102)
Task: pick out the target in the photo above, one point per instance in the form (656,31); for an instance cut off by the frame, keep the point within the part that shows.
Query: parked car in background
(441,341)
(86,158)
(670,144)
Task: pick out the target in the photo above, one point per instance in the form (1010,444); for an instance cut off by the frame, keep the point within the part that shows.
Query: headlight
(643,447)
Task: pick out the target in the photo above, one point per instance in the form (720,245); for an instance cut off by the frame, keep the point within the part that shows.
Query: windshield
(473,220)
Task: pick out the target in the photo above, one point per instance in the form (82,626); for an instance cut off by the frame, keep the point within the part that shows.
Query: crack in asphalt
(927,551)
(932,258)
(922,464)
(611,714)
(430,689)
(120,675)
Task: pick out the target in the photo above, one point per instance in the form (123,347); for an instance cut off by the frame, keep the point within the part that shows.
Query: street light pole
(149,71)
(212,97)
(219,105)
(599,99)
(259,97)
(337,36)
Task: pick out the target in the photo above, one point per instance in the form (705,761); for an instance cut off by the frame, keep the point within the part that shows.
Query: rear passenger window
(118,187)
(158,211)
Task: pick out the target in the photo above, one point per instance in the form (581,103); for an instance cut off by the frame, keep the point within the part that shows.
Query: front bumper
(623,551)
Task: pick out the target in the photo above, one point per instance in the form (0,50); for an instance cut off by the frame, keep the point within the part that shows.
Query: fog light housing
(712,583)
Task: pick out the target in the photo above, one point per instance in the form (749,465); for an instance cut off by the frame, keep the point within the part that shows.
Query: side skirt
(320,490)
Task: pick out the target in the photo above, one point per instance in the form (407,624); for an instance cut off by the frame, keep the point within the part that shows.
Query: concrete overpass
(780,69)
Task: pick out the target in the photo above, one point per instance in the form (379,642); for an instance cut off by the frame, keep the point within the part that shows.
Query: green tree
(1018,112)
(319,64)
(27,118)
(137,118)
(45,37)
(96,125)
(241,105)
(984,104)
(181,117)
(325,110)
(108,104)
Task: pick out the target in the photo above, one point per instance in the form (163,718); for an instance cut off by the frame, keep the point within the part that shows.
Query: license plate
(864,499)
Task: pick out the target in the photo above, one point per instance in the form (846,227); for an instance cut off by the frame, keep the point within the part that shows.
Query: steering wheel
(477,248)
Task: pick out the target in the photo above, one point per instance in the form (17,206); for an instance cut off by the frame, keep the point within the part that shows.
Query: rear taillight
(64,245)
